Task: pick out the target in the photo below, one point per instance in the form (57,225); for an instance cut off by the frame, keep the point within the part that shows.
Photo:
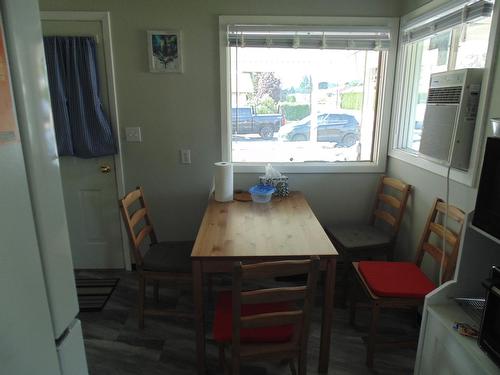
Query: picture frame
(164,51)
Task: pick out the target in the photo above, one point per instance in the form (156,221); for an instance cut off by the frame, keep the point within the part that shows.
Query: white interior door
(90,185)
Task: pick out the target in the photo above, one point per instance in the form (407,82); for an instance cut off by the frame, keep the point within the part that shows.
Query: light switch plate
(133,134)
(185,156)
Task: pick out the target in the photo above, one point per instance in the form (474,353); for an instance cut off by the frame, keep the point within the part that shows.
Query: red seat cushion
(222,329)
(395,279)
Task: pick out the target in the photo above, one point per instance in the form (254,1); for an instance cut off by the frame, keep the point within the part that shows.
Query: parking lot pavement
(252,148)
(251,138)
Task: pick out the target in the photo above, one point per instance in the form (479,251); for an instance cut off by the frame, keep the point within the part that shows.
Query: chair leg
(222,357)
(302,364)
(209,286)
(346,274)
(291,364)
(156,288)
(235,364)
(372,335)
(142,292)
(302,360)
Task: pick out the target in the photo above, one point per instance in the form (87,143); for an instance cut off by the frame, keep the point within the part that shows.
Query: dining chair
(404,284)
(266,323)
(378,236)
(156,261)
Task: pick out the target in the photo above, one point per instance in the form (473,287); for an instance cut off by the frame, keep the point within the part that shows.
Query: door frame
(105,21)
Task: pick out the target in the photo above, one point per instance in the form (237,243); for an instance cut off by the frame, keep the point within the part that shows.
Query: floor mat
(94,293)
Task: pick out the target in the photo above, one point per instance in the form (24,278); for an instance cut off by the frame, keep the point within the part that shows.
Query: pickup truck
(245,121)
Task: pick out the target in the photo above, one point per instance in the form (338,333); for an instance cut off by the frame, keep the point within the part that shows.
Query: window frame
(398,127)
(382,125)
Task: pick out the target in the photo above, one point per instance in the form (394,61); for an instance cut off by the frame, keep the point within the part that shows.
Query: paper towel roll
(223,181)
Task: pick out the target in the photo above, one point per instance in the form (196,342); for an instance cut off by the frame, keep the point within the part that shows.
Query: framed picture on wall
(164,49)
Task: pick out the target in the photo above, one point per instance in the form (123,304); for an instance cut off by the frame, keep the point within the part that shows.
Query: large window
(304,94)
(455,39)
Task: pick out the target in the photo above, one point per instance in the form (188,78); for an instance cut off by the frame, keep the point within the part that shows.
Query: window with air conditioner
(454,36)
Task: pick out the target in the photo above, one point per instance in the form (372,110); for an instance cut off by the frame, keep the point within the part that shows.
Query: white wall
(183,110)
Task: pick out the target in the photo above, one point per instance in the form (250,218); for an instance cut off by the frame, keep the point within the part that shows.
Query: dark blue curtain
(81,126)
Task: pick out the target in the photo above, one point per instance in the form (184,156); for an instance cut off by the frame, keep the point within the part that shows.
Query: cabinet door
(442,355)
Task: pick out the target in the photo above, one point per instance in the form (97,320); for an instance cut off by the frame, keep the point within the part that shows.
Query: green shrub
(294,112)
(266,106)
(351,100)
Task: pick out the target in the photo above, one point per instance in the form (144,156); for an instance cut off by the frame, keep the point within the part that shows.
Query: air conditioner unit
(450,116)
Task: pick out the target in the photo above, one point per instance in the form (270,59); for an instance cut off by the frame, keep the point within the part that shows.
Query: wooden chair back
(435,226)
(137,221)
(390,203)
(296,315)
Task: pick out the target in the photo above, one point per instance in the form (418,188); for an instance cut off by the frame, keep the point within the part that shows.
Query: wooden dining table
(285,228)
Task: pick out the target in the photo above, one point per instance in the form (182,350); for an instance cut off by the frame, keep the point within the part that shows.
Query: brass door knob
(105,169)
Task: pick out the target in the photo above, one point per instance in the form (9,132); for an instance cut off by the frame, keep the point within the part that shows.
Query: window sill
(312,167)
(462,177)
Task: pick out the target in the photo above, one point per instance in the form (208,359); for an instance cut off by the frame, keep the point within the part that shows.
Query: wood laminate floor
(115,345)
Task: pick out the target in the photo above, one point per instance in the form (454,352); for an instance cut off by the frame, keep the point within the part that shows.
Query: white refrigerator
(39,332)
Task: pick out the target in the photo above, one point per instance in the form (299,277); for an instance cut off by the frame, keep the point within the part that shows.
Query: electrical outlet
(133,134)
(185,156)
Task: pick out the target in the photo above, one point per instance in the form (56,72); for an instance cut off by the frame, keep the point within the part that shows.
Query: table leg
(326,326)
(199,315)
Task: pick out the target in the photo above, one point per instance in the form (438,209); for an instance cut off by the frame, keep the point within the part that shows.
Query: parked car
(332,127)
(245,121)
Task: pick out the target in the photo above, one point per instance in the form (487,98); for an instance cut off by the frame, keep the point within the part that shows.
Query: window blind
(446,20)
(316,37)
